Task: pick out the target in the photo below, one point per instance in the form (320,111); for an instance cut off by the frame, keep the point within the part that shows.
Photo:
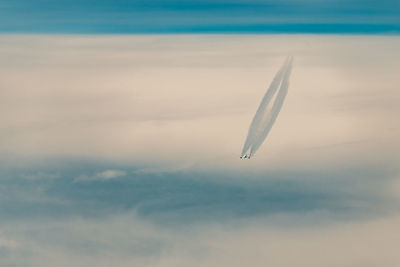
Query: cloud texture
(122,151)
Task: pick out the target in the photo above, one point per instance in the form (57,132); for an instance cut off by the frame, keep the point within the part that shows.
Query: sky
(122,123)
(123,150)
(200,16)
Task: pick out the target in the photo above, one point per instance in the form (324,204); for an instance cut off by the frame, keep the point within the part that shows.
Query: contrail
(276,108)
(264,118)
(261,109)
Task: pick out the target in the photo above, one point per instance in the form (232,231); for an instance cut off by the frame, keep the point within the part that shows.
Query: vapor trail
(276,108)
(260,113)
(264,118)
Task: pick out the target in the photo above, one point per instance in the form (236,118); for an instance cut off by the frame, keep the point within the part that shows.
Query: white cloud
(40,176)
(191,98)
(7,243)
(179,101)
(127,241)
(105,175)
(110,174)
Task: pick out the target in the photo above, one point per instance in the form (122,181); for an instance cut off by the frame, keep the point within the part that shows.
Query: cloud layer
(123,151)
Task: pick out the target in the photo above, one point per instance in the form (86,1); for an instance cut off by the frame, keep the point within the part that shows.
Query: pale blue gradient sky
(200,16)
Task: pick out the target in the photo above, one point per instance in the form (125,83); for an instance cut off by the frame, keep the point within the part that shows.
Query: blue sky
(220,16)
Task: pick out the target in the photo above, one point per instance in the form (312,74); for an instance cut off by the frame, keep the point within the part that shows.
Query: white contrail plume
(264,118)
(255,124)
(276,108)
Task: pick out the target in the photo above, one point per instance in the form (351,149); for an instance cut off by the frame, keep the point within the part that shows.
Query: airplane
(245,156)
